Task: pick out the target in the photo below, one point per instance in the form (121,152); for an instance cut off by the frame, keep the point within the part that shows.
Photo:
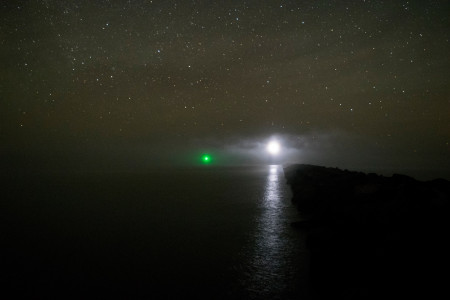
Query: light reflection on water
(209,234)
(273,266)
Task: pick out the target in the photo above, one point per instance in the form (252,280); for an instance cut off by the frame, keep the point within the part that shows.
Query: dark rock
(372,236)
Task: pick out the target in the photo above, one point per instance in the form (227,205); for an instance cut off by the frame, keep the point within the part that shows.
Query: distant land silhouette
(371,236)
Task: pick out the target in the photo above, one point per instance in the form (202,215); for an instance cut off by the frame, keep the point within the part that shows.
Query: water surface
(203,232)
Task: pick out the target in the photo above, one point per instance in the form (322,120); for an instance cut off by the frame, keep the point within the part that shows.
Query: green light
(206,158)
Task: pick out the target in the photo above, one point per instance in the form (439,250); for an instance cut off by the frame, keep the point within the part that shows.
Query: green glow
(206,158)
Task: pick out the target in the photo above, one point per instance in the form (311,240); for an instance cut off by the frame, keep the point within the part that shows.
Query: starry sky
(345,83)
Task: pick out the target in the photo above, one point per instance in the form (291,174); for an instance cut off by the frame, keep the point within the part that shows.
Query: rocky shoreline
(371,236)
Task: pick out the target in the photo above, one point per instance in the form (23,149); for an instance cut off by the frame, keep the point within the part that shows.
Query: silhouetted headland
(371,236)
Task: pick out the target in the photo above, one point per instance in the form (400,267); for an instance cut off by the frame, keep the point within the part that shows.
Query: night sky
(361,84)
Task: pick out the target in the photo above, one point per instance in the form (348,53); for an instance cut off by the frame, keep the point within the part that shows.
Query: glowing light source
(206,158)
(273,148)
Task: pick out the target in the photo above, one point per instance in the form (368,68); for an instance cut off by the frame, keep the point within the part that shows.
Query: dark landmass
(370,236)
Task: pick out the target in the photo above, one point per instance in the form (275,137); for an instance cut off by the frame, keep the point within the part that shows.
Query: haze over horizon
(130,85)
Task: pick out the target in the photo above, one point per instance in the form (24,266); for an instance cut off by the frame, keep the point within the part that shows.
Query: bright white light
(273,148)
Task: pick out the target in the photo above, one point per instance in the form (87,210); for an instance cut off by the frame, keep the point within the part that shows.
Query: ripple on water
(272,269)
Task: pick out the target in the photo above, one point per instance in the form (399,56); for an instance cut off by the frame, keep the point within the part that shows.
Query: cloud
(333,148)
(314,147)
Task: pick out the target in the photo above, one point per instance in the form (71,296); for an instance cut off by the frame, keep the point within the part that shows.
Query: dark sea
(207,232)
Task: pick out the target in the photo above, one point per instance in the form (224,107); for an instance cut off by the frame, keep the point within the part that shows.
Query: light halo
(273,147)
